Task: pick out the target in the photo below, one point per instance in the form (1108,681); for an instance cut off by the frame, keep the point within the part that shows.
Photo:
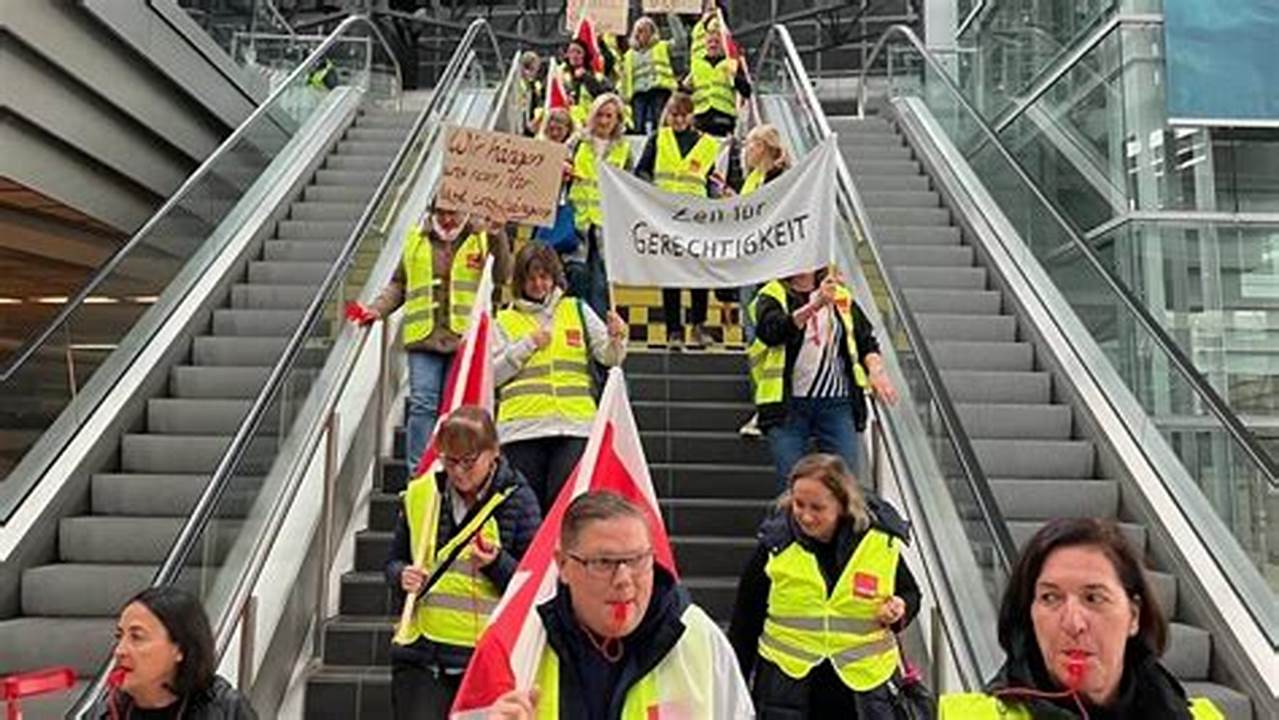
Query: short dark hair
(468,429)
(536,257)
(594,507)
(1105,536)
(182,616)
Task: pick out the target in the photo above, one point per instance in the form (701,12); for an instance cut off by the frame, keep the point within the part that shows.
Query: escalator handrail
(197,522)
(35,342)
(1162,340)
(1004,546)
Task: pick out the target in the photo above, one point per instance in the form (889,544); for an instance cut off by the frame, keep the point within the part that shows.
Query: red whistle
(359,314)
(116,677)
(620,611)
(482,544)
(1075,669)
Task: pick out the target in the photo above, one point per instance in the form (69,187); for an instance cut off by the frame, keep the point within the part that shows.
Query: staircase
(1041,463)
(138,503)
(713,486)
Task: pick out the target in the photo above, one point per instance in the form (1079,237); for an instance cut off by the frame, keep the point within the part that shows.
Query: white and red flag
(586,35)
(508,653)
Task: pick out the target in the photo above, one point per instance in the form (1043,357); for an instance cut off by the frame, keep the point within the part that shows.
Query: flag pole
(425,550)
(546,98)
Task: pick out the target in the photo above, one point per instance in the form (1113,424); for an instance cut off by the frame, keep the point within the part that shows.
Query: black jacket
(1147,690)
(592,688)
(517,520)
(775,534)
(219,702)
(774,326)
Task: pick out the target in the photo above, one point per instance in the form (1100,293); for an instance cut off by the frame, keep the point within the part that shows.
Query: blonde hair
(600,102)
(561,115)
(530,60)
(831,472)
(644,21)
(771,140)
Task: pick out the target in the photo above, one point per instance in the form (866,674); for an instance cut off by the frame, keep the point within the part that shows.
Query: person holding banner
(813,357)
(603,140)
(623,636)
(436,281)
(487,516)
(680,159)
(648,78)
(715,81)
(542,353)
(822,598)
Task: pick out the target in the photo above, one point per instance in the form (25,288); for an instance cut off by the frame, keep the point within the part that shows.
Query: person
(603,140)
(436,282)
(1082,632)
(164,663)
(716,81)
(634,643)
(487,518)
(581,83)
(711,13)
(542,351)
(822,598)
(679,158)
(813,355)
(532,90)
(647,76)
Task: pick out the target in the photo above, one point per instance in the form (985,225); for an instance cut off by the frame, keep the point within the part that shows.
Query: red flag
(470,378)
(586,35)
(508,653)
(731,49)
(556,96)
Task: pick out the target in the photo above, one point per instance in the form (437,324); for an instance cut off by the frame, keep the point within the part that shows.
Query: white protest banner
(499,175)
(607,16)
(664,7)
(655,238)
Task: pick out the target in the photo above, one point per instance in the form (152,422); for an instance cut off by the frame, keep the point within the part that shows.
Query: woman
(813,356)
(542,355)
(681,159)
(444,245)
(821,599)
(582,83)
(487,518)
(648,78)
(1083,632)
(716,81)
(164,663)
(587,277)
(532,90)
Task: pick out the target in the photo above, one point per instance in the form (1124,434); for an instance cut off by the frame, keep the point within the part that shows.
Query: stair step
(910,216)
(871,183)
(167,495)
(27,643)
(716,556)
(386,121)
(358,641)
(662,416)
(134,540)
(348,178)
(310,274)
(1045,499)
(1165,587)
(337,692)
(688,480)
(302,250)
(190,454)
(367,594)
(356,162)
(256,323)
(187,381)
(1232,703)
(204,416)
(1016,421)
(717,517)
(703,447)
(967,302)
(338,193)
(959,355)
(901,198)
(1022,531)
(715,595)
(360,133)
(81,590)
(329,211)
(981,386)
(858,152)
(928,255)
(983,328)
(666,364)
(273,297)
(872,168)
(336,230)
(701,388)
(888,235)
(1189,652)
(385,148)
(1035,458)
(948,278)
(238,351)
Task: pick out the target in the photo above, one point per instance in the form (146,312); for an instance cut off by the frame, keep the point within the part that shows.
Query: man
(623,639)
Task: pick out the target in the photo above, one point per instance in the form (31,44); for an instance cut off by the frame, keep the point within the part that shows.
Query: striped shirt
(821,370)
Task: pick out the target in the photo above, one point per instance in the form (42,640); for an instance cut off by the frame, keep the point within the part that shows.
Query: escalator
(1049,392)
(137,415)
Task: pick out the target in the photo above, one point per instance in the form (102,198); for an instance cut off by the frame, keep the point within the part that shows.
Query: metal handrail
(193,529)
(1162,340)
(39,339)
(1004,547)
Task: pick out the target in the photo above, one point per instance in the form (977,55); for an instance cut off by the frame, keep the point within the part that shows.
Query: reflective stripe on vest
(713,86)
(455,610)
(805,625)
(584,192)
(685,175)
(978,706)
(647,70)
(419,293)
(753,181)
(768,362)
(556,380)
(678,687)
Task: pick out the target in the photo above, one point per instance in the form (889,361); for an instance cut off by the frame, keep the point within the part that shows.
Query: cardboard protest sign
(608,16)
(682,7)
(498,175)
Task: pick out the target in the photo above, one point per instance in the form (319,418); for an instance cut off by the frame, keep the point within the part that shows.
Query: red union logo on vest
(865,585)
(573,337)
(475,261)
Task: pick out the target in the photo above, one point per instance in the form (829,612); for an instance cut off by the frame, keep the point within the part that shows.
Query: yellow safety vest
(977,706)
(653,66)
(456,609)
(419,293)
(806,626)
(556,380)
(753,182)
(698,46)
(713,87)
(584,192)
(768,362)
(682,685)
(684,175)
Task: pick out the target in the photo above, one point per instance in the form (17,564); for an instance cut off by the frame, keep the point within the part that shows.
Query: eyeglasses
(605,568)
(464,463)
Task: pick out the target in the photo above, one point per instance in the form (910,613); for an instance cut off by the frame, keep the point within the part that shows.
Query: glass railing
(924,427)
(1226,461)
(60,374)
(222,548)
(234,24)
